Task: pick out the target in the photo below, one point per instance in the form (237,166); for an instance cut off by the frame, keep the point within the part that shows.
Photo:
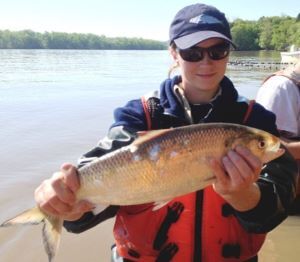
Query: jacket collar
(172,106)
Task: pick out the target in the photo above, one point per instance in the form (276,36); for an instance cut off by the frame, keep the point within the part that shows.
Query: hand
(57,196)
(236,177)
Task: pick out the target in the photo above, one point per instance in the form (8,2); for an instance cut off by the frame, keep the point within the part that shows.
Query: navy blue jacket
(278,178)
(228,107)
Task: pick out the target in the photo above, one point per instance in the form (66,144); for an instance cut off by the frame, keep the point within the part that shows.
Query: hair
(175,64)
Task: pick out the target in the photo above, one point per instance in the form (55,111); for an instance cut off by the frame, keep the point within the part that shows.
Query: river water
(56,104)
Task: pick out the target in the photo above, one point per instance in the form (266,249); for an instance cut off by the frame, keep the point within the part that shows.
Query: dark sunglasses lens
(195,54)
(219,52)
(191,54)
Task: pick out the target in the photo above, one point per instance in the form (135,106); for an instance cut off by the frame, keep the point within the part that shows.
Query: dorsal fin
(149,135)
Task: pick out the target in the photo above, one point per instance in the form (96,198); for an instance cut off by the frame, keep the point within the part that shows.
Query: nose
(206,59)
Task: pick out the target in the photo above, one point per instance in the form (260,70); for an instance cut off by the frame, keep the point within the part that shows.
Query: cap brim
(190,40)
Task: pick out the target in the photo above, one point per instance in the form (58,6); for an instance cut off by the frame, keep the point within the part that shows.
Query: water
(55,105)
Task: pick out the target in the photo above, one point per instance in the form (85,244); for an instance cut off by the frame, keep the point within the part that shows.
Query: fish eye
(261,144)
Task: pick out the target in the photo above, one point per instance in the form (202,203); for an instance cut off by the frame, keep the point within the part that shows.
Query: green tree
(278,33)
(268,33)
(245,35)
(265,35)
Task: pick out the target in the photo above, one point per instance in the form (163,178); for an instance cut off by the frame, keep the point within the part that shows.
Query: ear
(174,54)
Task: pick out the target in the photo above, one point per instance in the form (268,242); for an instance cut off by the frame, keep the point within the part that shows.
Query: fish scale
(156,167)
(141,175)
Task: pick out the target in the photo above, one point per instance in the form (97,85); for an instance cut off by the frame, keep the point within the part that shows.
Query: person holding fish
(242,194)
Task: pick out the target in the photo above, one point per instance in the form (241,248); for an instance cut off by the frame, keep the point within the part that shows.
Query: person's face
(204,75)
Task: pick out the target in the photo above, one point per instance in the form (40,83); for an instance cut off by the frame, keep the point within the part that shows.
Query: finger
(240,166)
(50,203)
(218,171)
(231,169)
(64,193)
(73,216)
(70,176)
(253,161)
(43,193)
(83,206)
(38,193)
(78,210)
(59,206)
(47,208)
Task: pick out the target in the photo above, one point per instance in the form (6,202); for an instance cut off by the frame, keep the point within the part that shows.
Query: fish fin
(144,136)
(29,217)
(51,235)
(51,229)
(141,133)
(158,205)
(98,209)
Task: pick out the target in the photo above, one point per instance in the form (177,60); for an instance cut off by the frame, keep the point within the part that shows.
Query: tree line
(267,33)
(27,39)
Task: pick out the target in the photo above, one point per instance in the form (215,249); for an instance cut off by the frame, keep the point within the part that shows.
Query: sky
(124,18)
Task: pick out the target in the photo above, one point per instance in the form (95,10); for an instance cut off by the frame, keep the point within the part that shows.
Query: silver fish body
(156,167)
(167,163)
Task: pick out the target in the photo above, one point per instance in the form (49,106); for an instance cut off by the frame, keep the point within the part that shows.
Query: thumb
(70,176)
(83,206)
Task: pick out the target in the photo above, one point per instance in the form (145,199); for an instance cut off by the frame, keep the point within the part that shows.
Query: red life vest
(189,228)
(222,237)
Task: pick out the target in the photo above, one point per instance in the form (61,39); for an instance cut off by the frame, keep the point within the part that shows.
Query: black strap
(89,220)
(227,210)
(152,110)
(172,216)
(231,251)
(249,110)
(167,253)
(156,119)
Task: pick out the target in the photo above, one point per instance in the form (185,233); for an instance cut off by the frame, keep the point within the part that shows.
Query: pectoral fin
(98,209)
(158,205)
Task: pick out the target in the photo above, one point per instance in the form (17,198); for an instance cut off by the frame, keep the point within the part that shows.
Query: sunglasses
(196,53)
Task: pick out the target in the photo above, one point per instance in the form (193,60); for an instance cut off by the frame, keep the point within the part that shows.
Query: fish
(156,167)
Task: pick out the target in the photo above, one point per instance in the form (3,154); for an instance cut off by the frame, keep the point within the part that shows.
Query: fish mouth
(274,152)
(210,179)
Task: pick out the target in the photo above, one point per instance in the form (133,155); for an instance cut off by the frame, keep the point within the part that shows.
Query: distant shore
(28,39)
(267,33)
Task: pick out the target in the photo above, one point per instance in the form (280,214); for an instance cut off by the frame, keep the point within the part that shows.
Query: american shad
(158,166)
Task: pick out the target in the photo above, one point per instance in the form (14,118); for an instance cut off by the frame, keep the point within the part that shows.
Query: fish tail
(51,229)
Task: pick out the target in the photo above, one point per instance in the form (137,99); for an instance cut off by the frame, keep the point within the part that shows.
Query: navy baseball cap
(196,23)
